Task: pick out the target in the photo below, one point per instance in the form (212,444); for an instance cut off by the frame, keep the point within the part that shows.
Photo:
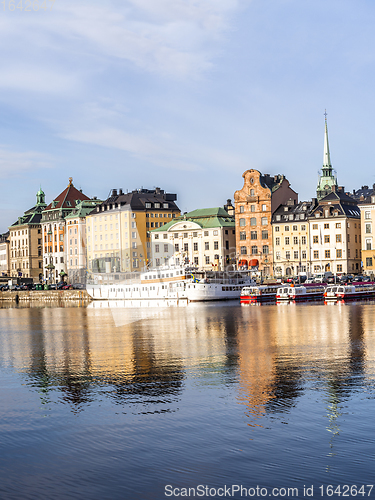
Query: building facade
(54,231)
(118,231)
(25,236)
(4,254)
(291,238)
(368,234)
(76,240)
(202,238)
(255,203)
(335,234)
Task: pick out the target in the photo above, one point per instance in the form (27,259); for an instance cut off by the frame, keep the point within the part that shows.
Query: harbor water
(161,400)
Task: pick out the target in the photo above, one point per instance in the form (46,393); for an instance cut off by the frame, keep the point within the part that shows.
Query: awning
(253,262)
(243,263)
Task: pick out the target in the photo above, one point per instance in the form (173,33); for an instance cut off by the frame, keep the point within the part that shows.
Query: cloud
(170,37)
(14,163)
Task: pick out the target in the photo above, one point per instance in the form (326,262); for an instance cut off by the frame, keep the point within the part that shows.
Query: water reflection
(136,355)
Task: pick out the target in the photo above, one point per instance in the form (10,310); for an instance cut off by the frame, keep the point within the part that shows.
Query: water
(119,403)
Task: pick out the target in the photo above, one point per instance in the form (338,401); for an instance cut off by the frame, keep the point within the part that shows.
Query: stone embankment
(45,295)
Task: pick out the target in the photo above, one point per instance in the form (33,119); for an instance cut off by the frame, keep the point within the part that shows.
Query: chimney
(334,188)
(120,192)
(114,192)
(157,190)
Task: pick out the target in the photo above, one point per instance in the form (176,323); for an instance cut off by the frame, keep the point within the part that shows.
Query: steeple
(327,179)
(40,197)
(326,156)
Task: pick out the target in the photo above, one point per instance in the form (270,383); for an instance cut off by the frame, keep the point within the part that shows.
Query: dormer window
(68,203)
(157,205)
(148,205)
(285,209)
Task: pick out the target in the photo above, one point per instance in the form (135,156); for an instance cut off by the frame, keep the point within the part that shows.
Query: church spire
(327,179)
(326,156)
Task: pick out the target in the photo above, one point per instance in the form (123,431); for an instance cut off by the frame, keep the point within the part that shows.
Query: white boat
(172,284)
(261,293)
(352,292)
(300,293)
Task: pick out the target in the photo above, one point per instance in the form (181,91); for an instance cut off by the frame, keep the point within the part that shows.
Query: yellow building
(118,239)
(291,244)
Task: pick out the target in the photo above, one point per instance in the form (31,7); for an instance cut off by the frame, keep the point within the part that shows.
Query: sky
(185,95)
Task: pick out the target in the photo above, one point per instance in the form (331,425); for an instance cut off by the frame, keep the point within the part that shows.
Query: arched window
(242,222)
(253,221)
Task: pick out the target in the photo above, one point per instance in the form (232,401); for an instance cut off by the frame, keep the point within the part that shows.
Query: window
(206,245)
(206,233)
(327,254)
(186,247)
(286,228)
(338,238)
(165,248)
(216,232)
(242,209)
(368,216)
(264,235)
(148,205)
(303,240)
(254,235)
(368,228)
(175,235)
(368,261)
(254,250)
(315,226)
(264,221)
(338,253)
(195,247)
(252,208)
(368,244)
(243,250)
(287,240)
(216,245)
(326,238)
(242,235)
(157,248)
(207,259)
(196,261)
(242,224)
(295,228)
(316,254)
(278,255)
(252,192)
(304,254)
(287,255)
(295,240)
(277,229)
(326,226)
(339,268)
(176,247)
(338,225)
(253,221)
(315,239)
(185,235)
(264,208)
(303,228)
(295,256)
(265,249)
(277,241)
(134,235)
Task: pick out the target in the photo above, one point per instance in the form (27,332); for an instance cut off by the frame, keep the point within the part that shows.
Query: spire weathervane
(325,114)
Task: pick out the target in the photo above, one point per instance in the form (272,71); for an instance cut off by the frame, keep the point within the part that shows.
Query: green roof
(205,217)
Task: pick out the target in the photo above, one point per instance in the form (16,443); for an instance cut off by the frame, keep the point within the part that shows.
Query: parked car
(78,286)
(67,287)
(347,278)
(60,285)
(53,286)
(358,278)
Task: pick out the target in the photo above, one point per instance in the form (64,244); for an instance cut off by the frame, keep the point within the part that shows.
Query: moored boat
(353,292)
(300,293)
(331,292)
(261,293)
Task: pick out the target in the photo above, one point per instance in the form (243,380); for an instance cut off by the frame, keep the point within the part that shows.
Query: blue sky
(182,94)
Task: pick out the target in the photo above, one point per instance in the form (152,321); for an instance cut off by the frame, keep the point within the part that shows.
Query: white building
(204,238)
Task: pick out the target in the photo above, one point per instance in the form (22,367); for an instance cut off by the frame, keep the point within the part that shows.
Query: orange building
(255,203)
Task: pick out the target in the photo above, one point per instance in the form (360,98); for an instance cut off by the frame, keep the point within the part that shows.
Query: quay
(44,295)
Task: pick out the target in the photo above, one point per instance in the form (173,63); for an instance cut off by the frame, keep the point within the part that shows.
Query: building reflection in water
(133,356)
(286,350)
(136,355)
